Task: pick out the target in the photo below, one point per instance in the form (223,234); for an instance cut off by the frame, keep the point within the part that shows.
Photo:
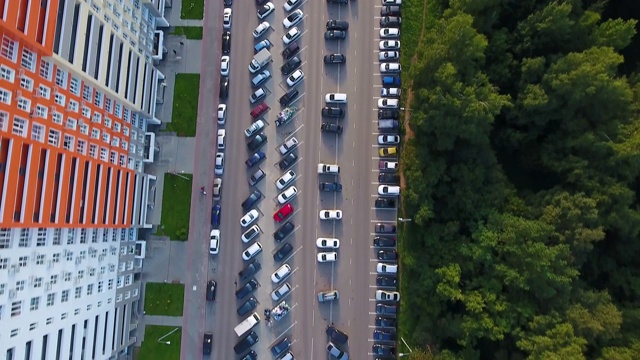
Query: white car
(330,214)
(391,2)
(293,19)
(254,128)
(328,169)
(285,179)
(249,218)
(389,45)
(214,242)
(327,256)
(217,188)
(382,295)
(338,98)
(288,146)
(266,10)
(282,273)
(291,36)
(252,251)
(287,195)
(388,139)
(250,234)
(261,29)
(226,18)
(387,268)
(389,33)
(222,114)
(280,292)
(291,4)
(327,243)
(389,165)
(221,135)
(388,190)
(390,92)
(224,65)
(390,68)
(295,78)
(219,167)
(388,103)
(257,95)
(388,55)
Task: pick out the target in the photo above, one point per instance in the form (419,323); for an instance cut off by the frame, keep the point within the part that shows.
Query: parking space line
(290,327)
(290,256)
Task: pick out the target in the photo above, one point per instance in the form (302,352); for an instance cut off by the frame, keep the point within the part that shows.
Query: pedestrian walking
(175,52)
(181,43)
(202,191)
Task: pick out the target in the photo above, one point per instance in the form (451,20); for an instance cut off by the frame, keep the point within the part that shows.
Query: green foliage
(192,9)
(184,116)
(151,349)
(191,32)
(163,299)
(176,206)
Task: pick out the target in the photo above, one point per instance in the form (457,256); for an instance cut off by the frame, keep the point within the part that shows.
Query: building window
(71,236)
(113,157)
(125,130)
(106,137)
(69,142)
(123,160)
(82,147)
(24,104)
(20,285)
(67,276)
(37,282)
(56,117)
(49,321)
(65,296)
(74,86)
(42,111)
(9,48)
(40,259)
(76,312)
(19,126)
(56,234)
(56,258)
(33,326)
(93,151)
(100,286)
(22,261)
(104,154)
(44,91)
(16,308)
(78,292)
(7,73)
(71,123)
(97,101)
(119,298)
(45,69)
(86,112)
(127,115)
(54,137)
(53,279)
(41,238)
(37,134)
(4,263)
(107,121)
(3,288)
(73,106)
(86,92)
(81,274)
(28,60)
(128,280)
(118,111)
(26,83)
(25,237)
(15,332)
(51,299)
(108,104)
(4,120)
(5,96)
(90,289)
(61,78)
(116,126)
(63,316)
(95,133)
(97,117)
(35,303)
(110,284)
(60,99)
(84,128)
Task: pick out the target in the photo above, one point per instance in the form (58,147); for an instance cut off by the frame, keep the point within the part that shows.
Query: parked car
(207,343)
(388,190)
(251,200)
(280,347)
(217,189)
(292,4)
(333,112)
(383,321)
(255,159)
(385,203)
(285,179)
(383,268)
(384,335)
(246,342)
(388,178)
(293,19)
(247,289)
(283,231)
(226,42)
(215,215)
(261,29)
(383,228)
(392,114)
(337,25)
(388,56)
(295,78)
(259,110)
(331,128)
(287,161)
(390,21)
(291,65)
(283,213)
(335,35)
(387,281)
(291,50)
(383,309)
(327,257)
(292,35)
(264,44)
(330,214)
(332,187)
(387,255)
(288,146)
(251,269)
(247,306)
(249,218)
(281,273)
(380,349)
(257,142)
(384,241)
(282,252)
(214,242)
(280,292)
(335,59)
(211,290)
(222,114)
(287,98)
(256,177)
(224,88)
(266,10)
(336,335)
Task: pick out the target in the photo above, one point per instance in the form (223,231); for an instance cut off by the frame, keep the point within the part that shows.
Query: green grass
(184,117)
(164,299)
(176,206)
(191,32)
(151,349)
(192,9)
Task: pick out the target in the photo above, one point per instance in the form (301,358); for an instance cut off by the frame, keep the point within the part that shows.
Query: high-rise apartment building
(78,89)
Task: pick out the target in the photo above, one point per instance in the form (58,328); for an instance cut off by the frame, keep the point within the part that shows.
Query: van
(287,356)
(247,324)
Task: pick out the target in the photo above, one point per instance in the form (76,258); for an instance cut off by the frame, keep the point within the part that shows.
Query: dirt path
(408,133)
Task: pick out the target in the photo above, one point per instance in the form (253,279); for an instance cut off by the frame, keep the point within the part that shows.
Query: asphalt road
(355,151)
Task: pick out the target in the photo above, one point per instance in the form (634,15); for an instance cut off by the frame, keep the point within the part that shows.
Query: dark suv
(246,342)
(247,289)
(224,87)
(280,347)
(251,200)
(337,25)
(288,97)
(247,306)
(283,231)
(257,142)
(331,128)
(291,50)
(287,161)
(291,65)
(250,270)
(283,251)
(390,10)
(226,42)
(336,335)
(390,21)
(333,112)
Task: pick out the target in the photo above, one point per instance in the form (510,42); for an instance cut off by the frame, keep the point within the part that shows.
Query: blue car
(215,215)
(264,44)
(381,335)
(255,159)
(391,80)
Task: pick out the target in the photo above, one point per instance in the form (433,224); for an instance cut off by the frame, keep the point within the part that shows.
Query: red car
(258,110)
(283,213)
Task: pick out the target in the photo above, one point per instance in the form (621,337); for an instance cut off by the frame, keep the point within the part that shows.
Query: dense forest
(522,180)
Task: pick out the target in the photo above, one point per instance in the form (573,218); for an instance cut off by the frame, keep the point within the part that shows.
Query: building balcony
(158,47)
(150,148)
(156,7)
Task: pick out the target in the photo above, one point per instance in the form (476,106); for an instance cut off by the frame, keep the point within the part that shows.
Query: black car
(389,281)
(382,321)
(384,335)
(338,1)
(390,10)
(251,355)
(385,203)
(387,255)
(291,50)
(333,112)
(207,343)
(286,99)
(215,215)
(331,128)
(211,290)
(247,289)
(224,87)
(291,65)
(388,114)
(250,270)
(379,349)
(335,59)
(384,241)
(337,25)
(390,21)
(228,3)
(386,309)
(287,161)
(247,306)
(385,228)
(282,252)
(335,35)
(257,142)
(336,335)
(255,159)
(280,347)
(251,200)
(246,342)
(388,178)
(334,186)
(226,42)
(284,230)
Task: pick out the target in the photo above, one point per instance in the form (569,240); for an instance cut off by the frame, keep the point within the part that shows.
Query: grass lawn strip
(176,206)
(191,32)
(164,299)
(192,9)
(185,105)
(151,349)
